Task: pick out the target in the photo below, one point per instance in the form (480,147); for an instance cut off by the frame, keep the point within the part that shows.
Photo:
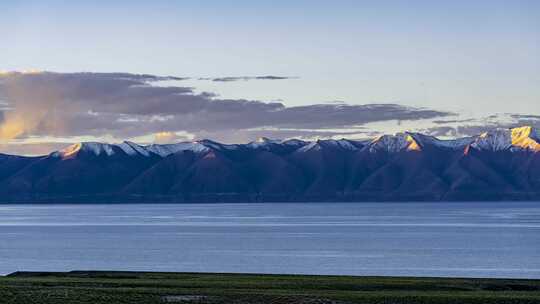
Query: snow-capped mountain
(167,149)
(523,138)
(499,164)
(263,143)
(454,144)
(342,144)
(128,148)
(394,143)
(88,147)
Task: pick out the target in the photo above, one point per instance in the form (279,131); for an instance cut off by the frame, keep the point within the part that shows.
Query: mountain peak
(453,144)
(263,140)
(525,137)
(70,151)
(395,143)
(167,149)
(95,148)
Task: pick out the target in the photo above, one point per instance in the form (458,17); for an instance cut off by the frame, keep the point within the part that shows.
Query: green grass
(134,287)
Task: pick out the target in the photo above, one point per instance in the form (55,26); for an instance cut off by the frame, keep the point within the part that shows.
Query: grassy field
(134,287)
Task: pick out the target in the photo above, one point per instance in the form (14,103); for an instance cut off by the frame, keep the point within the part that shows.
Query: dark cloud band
(126,105)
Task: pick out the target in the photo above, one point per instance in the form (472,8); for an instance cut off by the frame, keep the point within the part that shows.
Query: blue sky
(475,58)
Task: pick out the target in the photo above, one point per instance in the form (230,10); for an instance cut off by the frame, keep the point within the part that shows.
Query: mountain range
(502,164)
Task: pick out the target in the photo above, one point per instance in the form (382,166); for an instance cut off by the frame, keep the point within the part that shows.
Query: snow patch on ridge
(167,149)
(496,140)
(314,145)
(454,144)
(95,148)
(294,142)
(394,143)
(319,144)
(132,149)
(341,143)
(525,138)
(522,138)
(262,142)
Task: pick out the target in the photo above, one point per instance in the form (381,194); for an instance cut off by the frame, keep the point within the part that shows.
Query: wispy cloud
(246,78)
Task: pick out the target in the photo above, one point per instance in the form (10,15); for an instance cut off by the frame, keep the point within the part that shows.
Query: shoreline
(89,273)
(30,203)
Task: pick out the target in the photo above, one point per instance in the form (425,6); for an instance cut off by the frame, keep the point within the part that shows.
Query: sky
(338,69)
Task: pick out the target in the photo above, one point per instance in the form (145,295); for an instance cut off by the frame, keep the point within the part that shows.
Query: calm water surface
(412,239)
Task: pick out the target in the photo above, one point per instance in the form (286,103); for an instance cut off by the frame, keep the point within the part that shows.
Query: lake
(405,239)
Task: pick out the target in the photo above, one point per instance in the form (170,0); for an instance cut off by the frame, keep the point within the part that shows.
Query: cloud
(448,121)
(526,117)
(171,137)
(471,127)
(247,78)
(123,105)
(34,149)
(244,136)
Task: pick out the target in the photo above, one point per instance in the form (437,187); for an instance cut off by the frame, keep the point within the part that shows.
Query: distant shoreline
(34,203)
(233,199)
(134,273)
